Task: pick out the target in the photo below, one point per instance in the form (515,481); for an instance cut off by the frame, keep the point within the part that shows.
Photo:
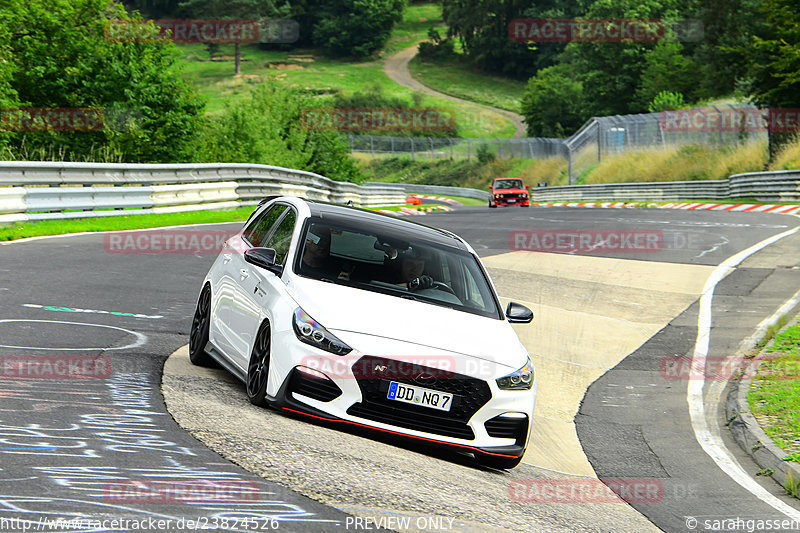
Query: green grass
(21,230)
(417,19)
(308,69)
(774,396)
(462,81)
(463,199)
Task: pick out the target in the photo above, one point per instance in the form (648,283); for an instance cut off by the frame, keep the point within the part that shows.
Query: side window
(258,230)
(282,237)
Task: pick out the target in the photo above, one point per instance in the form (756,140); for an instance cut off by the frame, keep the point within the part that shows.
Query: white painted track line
(711,442)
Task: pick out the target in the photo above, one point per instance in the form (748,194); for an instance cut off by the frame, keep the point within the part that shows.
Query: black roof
(379,221)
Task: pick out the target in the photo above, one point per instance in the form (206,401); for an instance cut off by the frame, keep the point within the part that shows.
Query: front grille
(320,389)
(508,428)
(469,395)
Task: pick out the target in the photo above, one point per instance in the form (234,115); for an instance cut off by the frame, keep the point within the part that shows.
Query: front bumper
(483,418)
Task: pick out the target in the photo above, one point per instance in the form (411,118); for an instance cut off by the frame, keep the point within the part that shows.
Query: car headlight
(310,332)
(522,379)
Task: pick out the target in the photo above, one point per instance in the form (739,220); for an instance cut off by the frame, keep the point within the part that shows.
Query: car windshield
(396,265)
(508,184)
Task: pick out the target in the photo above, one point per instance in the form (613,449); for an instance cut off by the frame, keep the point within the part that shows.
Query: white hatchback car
(355,317)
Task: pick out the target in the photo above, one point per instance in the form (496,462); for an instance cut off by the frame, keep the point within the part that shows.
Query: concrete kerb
(748,432)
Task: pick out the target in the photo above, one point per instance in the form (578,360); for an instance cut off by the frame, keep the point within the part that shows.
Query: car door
(258,288)
(230,316)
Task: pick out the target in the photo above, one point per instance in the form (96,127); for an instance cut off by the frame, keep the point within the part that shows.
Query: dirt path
(396,67)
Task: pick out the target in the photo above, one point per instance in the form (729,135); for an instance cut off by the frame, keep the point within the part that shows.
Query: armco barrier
(45,190)
(779,186)
(439,190)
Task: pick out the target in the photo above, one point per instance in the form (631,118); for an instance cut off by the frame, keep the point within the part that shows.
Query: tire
(201,323)
(498,463)
(258,368)
(490,204)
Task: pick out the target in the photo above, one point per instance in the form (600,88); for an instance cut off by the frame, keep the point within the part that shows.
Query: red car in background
(509,191)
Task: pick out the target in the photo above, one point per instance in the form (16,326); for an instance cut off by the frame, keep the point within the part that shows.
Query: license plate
(511,200)
(420,396)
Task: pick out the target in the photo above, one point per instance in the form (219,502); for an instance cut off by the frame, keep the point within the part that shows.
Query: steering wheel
(444,287)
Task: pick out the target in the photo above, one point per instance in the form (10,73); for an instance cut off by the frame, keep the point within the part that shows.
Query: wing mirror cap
(264,258)
(518,313)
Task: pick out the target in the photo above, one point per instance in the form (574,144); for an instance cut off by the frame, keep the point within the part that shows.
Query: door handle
(226,258)
(244,273)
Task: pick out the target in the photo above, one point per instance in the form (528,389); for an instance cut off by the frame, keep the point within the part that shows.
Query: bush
(375,97)
(267,129)
(553,103)
(150,114)
(484,154)
(355,27)
(666,100)
(437,48)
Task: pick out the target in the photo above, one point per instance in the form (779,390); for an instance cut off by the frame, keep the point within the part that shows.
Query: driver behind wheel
(412,268)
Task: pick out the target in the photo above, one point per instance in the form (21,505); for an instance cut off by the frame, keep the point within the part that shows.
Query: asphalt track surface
(74,448)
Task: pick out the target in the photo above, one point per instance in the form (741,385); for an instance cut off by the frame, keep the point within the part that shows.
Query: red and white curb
(760,208)
(412,212)
(439,198)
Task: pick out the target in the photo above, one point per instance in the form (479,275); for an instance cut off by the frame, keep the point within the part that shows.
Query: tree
(666,69)
(553,103)
(728,28)
(266,128)
(235,10)
(60,57)
(774,59)
(356,28)
(482,28)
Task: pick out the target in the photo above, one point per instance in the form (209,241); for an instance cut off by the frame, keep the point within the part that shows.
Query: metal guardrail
(778,186)
(439,190)
(44,190)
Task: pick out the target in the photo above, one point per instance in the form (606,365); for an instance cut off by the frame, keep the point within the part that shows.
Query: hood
(343,309)
(515,190)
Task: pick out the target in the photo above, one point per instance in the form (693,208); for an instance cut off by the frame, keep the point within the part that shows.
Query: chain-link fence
(597,139)
(455,148)
(723,125)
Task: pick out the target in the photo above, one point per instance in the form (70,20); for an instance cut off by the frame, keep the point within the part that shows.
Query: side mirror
(527,186)
(518,313)
(264,258)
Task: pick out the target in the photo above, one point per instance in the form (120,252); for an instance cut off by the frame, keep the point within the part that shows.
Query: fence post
(469,152)
(372,146)
(412,147)
(450,139)
(392,138)
(569,166)
(432,154)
